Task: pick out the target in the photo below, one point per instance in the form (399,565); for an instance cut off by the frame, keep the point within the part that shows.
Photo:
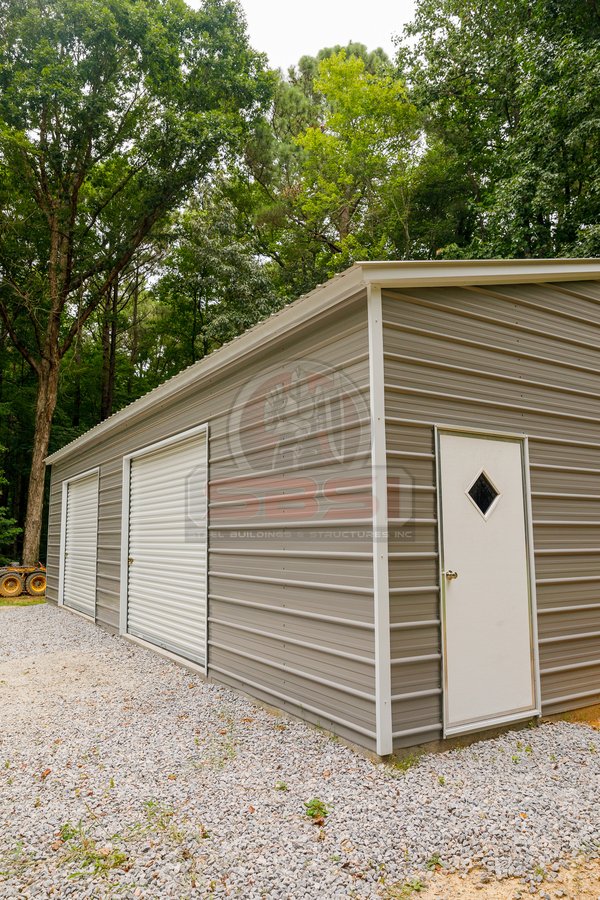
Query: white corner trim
(63,531)
(207,523)
(532,579)
(124,545)
(63,543)
(381,587)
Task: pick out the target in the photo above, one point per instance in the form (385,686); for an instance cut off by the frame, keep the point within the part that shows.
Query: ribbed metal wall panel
(81,540)
(290,592)
(518,358)
(168,560)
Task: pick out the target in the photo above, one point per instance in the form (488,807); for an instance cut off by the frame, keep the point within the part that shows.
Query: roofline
(336,292)
(420,273)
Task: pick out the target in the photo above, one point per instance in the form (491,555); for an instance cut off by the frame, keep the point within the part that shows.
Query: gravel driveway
(122,775)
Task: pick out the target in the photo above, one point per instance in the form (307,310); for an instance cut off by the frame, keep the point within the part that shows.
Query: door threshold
(486,724)
(77,612)
(197,668)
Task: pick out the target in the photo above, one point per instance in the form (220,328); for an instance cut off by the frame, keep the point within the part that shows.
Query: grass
(404,890)
(221,746)
(83,851)
(406,762)
(316,810)
(23,600)
(14,861)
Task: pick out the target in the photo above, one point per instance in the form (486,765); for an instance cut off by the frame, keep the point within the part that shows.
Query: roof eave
(436,273)
(333,293)
(336,292)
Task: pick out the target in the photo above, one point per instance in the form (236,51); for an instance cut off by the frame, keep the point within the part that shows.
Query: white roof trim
(334,293)
(429,273)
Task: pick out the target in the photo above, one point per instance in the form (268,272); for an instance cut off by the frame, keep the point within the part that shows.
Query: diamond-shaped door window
(483,493)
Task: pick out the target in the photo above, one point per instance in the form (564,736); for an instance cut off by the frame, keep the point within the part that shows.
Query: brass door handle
(130,560)
(450,574)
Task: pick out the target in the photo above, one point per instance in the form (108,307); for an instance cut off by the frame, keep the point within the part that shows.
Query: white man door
(164,565)
(488,628)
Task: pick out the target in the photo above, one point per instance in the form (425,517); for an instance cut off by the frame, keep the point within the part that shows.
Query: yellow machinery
(16,580)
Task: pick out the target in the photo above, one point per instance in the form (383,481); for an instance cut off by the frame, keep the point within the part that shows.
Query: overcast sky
(286,31)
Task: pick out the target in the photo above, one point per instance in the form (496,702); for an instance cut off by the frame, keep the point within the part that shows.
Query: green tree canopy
(509,91)
(110,112)
(317,176)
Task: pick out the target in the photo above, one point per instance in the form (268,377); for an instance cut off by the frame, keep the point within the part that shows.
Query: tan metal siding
(290,574)
(53,547)
(519,358)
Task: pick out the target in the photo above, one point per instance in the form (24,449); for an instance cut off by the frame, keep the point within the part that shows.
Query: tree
(316,176)
(9,529)
(110,112)
(213,285)
(362,146)
(509,93)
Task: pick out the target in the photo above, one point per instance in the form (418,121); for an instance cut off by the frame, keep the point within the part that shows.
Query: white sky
(286,31)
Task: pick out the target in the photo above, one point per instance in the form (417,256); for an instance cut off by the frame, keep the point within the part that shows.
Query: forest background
(161,189)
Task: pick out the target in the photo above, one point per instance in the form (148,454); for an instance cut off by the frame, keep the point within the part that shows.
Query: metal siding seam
(283,638)
(535,438)
(292,582)
(290,611)
(491,320)
(283,667)
(299,704)
(416,361)
(298,467)
(381,593)
(493,348)
(485,401)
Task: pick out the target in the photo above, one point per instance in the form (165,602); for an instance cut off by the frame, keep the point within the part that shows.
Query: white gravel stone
(122,774)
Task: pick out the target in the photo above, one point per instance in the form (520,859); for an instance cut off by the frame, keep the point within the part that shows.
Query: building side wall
(516,358)
(290,522)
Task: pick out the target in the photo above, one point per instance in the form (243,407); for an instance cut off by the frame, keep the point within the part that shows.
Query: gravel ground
(122,775)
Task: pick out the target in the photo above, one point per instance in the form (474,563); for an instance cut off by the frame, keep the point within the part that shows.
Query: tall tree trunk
(76,417)
(135,336)
(109,352)
(47,395)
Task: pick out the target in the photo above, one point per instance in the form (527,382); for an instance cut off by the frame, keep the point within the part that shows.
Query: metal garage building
(379,509)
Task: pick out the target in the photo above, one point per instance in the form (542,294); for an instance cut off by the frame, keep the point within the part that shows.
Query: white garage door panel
(168,547)
(81,539)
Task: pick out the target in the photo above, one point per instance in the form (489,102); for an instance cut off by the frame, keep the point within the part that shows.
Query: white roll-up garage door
(80,544)
(167,550)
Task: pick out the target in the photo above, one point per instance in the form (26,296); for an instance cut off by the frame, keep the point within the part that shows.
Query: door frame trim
(125,500)
(516,716)
(63,536)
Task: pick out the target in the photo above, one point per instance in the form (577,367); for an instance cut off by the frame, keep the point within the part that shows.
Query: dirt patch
(32,686)
(589,715)
(580,882)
